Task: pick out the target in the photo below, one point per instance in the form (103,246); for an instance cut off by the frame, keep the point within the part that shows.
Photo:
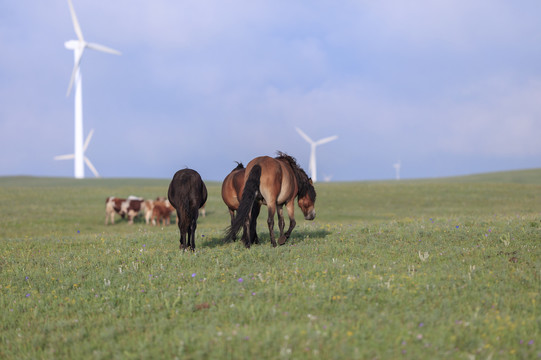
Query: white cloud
(501,120)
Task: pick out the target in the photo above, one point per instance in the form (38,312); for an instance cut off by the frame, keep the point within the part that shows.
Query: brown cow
(162,211)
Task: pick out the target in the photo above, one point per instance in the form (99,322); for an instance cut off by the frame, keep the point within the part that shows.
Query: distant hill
(531,176)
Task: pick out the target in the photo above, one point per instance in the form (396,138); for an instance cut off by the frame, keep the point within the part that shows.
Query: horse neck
(303,183)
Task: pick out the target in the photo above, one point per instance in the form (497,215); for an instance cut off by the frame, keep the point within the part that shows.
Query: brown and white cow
(202,211)
(148,207)
(129,207)
(132,207)
(112,205)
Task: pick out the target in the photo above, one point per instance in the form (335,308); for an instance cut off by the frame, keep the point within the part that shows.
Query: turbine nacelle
(78,46)
(73,45)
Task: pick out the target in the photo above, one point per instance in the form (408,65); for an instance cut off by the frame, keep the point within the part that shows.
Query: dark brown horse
(187,193)
(274,182)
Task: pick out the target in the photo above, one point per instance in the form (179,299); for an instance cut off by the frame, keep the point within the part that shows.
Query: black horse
(187,193)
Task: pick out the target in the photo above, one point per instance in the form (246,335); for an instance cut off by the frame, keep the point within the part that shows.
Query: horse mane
(239,166)
(303,181)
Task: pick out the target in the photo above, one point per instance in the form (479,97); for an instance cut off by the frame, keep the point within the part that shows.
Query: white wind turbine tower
(397,169)
(78,46)
(313,145)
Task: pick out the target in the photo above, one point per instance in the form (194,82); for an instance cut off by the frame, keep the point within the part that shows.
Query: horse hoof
(282,240)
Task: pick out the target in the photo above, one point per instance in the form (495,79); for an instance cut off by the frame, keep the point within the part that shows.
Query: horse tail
(251,189)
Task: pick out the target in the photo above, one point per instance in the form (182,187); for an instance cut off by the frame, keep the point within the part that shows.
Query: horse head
(307,200)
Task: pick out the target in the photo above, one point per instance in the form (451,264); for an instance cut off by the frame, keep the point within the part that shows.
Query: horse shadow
(297,237)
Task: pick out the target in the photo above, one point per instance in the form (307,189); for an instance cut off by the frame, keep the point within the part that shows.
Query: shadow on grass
(297,237)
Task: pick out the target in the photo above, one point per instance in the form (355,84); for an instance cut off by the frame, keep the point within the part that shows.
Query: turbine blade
(76,26)
(74,71)
(64,157)
(102,48)
(91,167)
(87,141)
(326,140)
(305,137)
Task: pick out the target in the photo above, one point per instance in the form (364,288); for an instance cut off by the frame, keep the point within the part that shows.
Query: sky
(448,87)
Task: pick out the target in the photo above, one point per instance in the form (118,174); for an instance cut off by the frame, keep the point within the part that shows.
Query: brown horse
(232,187)
(274,182)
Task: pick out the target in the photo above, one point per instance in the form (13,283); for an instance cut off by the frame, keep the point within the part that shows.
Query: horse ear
(310,181)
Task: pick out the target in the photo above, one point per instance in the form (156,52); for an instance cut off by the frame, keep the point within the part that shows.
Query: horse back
(187,191)
(232,187)
(277,182)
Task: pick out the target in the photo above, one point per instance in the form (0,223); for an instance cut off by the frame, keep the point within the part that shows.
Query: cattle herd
(154,211)
(274,182)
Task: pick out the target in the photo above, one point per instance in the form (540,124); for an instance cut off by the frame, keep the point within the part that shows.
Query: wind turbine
(397,169)
(313,144)
(87,161)
(78,46)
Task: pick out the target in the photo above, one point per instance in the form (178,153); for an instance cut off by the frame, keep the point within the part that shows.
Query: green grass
(419,269)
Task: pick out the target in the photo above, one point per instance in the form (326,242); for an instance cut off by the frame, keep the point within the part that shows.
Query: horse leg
(232,214)
(246,232)
(182,245)
(281,225)
(246,229)
(291,214)
(191,234)
(253,223)
(249,235)
(270,222)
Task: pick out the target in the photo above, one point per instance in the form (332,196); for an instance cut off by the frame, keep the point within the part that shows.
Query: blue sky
(447,87)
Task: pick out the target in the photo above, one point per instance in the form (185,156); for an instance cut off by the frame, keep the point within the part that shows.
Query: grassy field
(425,269)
